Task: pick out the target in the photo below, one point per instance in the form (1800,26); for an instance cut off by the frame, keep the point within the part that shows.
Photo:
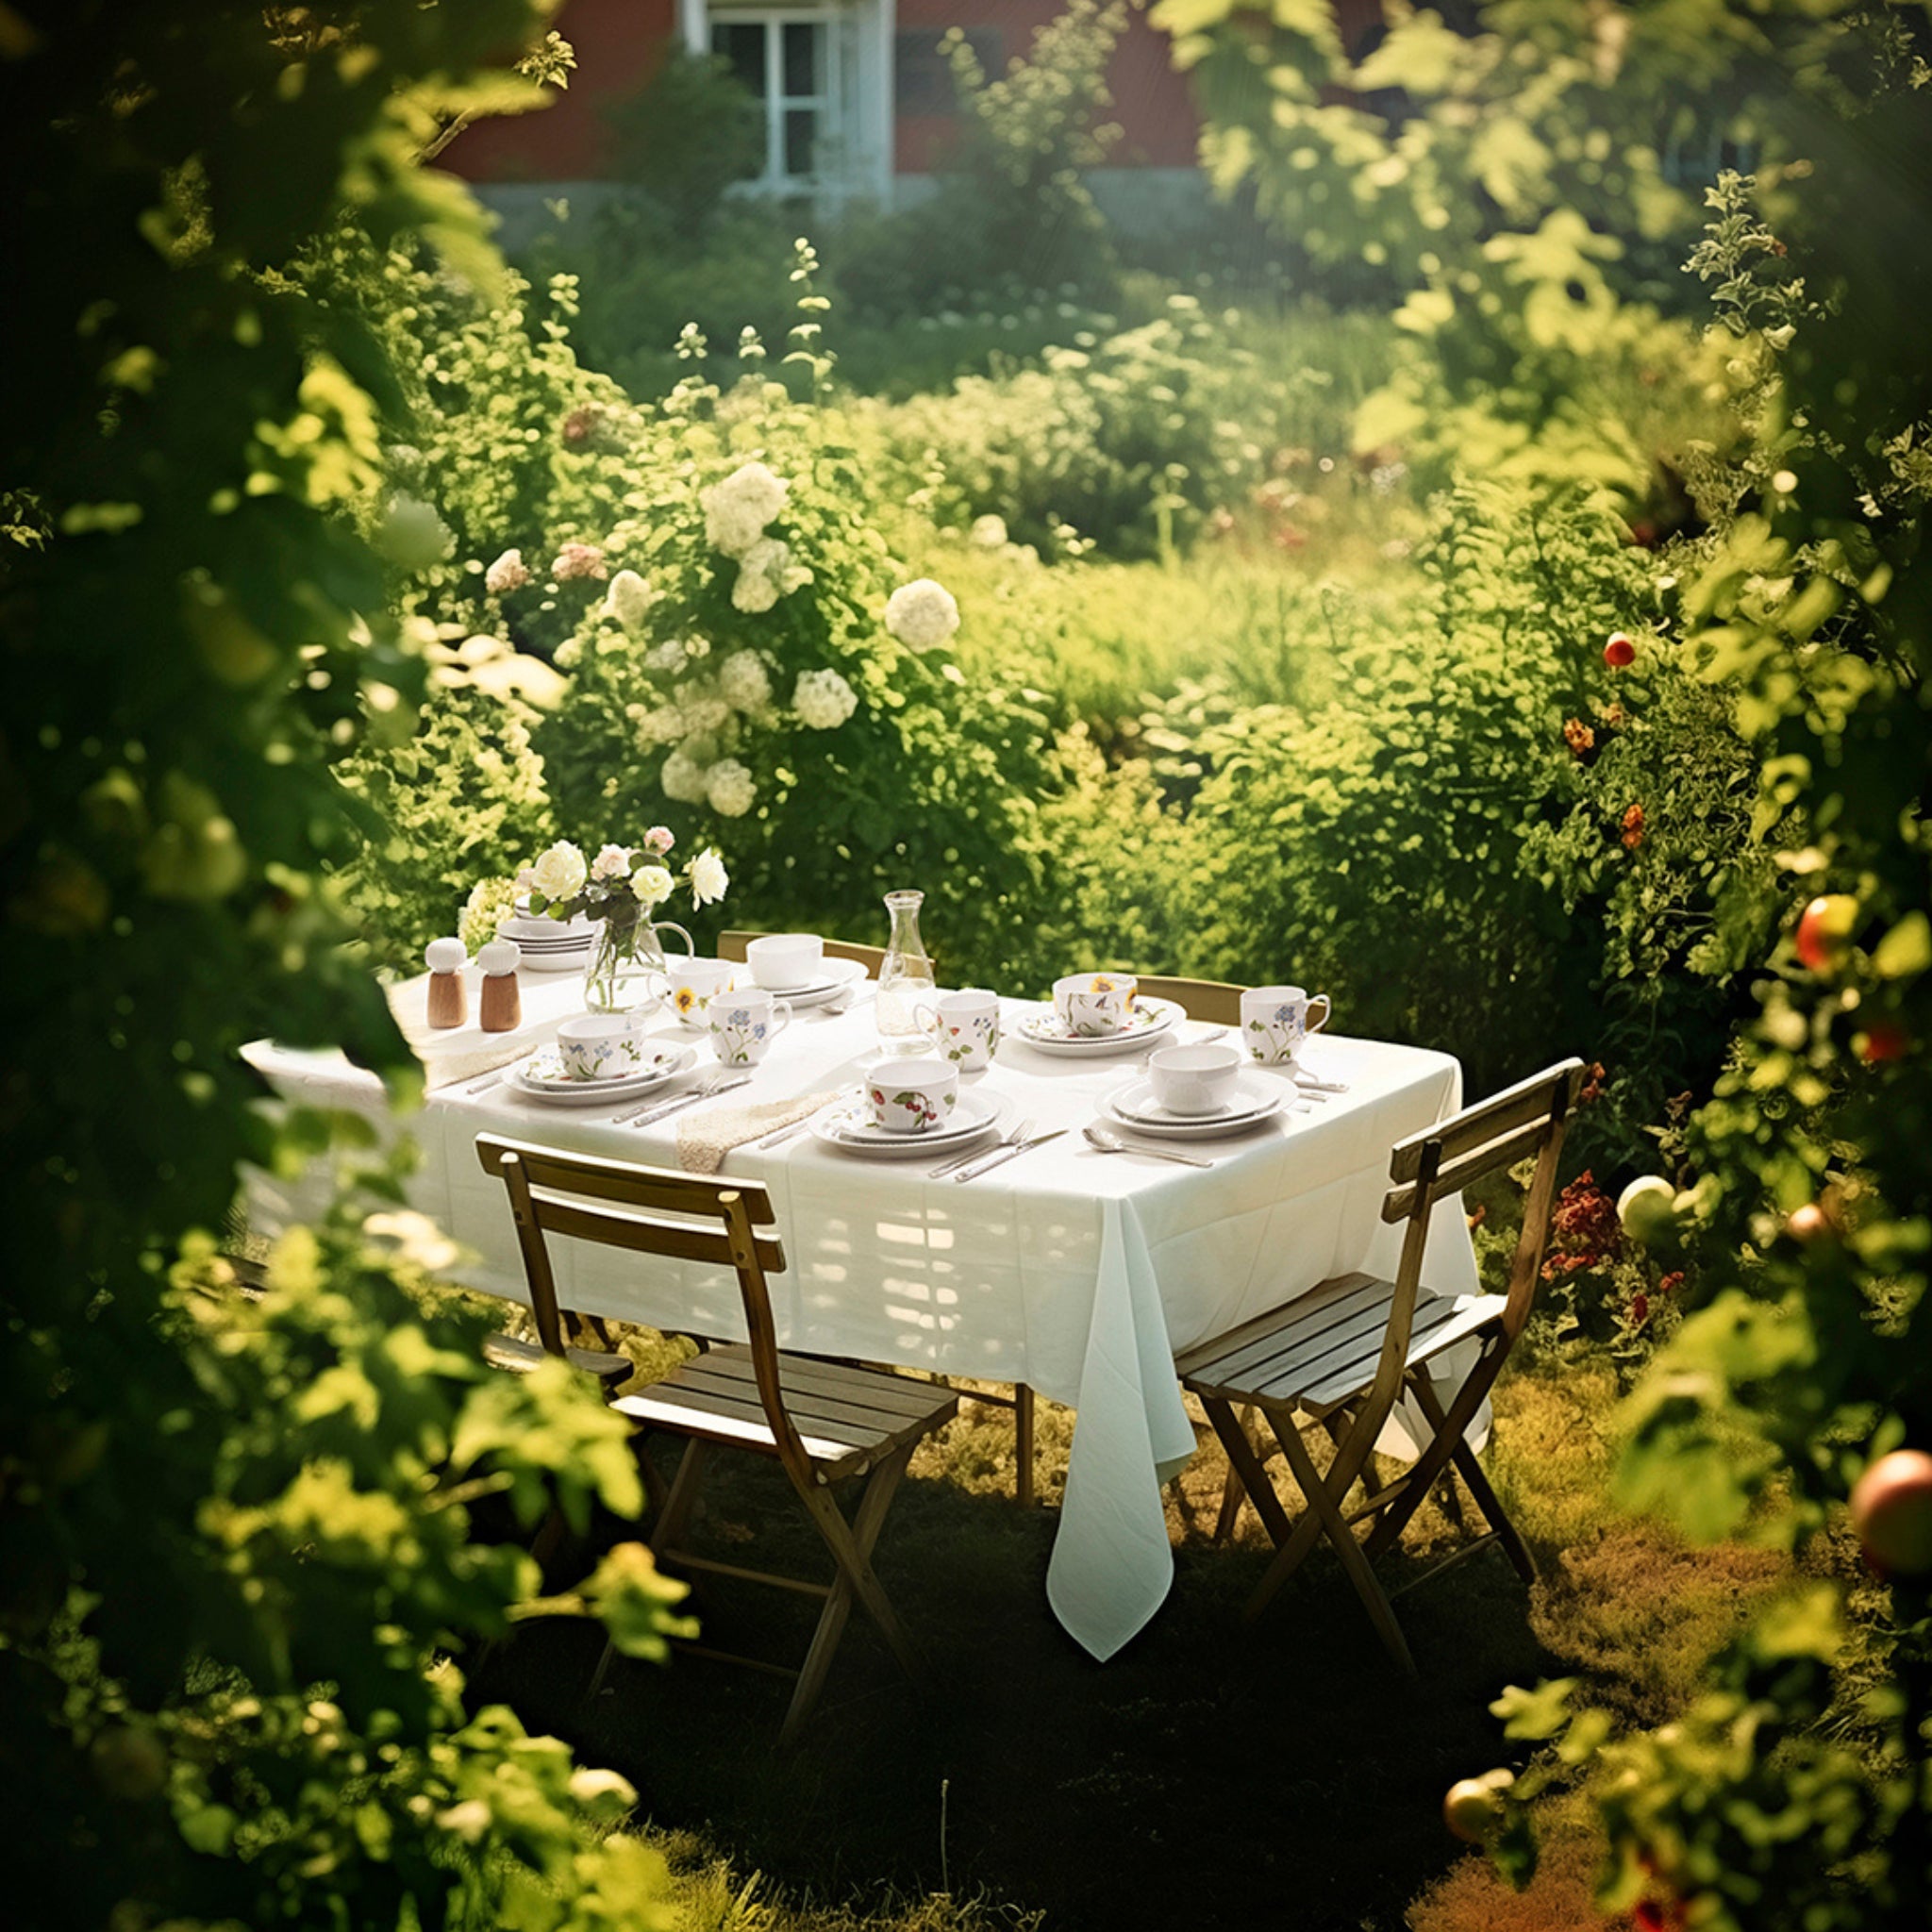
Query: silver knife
(966,1159)
(652,1114)
(999,1154)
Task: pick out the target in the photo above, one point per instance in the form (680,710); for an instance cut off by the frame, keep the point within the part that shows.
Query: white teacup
(692,985)
(1093,1004)
(1275,1020)
(742,1024)
(782,961)
(912,1097)
(1196,1079)
(599,1046)
(965,1027)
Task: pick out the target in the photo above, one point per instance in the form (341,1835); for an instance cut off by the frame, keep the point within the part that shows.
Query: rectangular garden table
(1077,1273)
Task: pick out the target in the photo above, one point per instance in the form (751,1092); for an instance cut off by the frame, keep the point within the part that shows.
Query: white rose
(611,864)
(560,873)
(708,879)
(738,509)
(990,532)
(823,700)
(744,682)
(921,616)
(627,599)
(754,591)
(730,788)
(652,884)
(683,778)
(508,573)
(731,528)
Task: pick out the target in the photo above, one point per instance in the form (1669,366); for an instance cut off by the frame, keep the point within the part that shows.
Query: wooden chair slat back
(1523,1105)
(731,945)
(1504,1151)
(719,1222)
(1212,1000)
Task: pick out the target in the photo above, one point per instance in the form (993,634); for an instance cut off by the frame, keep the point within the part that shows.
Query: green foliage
(687,137)
(236,1540)
(1010,202)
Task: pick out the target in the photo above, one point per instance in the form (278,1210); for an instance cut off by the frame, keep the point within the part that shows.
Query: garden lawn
(1205,1776)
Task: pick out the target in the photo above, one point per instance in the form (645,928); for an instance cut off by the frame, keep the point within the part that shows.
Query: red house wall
(1150,102)
(619,43)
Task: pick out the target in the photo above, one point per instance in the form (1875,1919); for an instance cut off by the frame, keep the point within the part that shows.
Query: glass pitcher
(906,980)
(625,972)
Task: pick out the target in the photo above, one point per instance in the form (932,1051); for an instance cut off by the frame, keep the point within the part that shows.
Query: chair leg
(1486,1502)
(1247,1469)
(1450,1427)
(1325,1506)
(674,1505)
(1231,1490)
(851,1546)
(1022,1444)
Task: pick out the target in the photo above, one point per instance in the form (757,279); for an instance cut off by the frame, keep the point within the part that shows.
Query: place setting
(1093,1015)
(597,1059)
(795,965)
(908,1108)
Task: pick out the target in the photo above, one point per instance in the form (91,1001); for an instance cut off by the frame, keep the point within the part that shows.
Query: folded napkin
(704,1140)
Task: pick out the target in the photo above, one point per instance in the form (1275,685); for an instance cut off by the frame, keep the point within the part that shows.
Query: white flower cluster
(767,572)
(730,788)
(508,573)
(683,779)
(660,724)
(988,532)
(744,682)
(738,509)
(921,616)
(628,598)
(823,700)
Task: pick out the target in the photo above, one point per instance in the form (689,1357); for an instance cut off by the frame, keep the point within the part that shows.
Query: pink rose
(578,561)
(659,839)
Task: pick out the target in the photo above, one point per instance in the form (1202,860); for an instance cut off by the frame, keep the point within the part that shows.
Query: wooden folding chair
(1340,1357)
(1213,1000)
(825,1424)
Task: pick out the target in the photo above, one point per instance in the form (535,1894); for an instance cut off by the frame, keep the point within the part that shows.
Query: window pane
(804,62)
(742,45)
(801,137)
(923,82)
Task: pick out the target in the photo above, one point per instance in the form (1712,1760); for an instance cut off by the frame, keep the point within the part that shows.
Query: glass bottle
(906,980)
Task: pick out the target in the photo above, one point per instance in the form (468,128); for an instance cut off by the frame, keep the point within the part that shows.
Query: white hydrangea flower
(663,724)
(560,874)
(773,558)
(704,712)
(652,884)
(754,591)
(709,881)
(744,682)
(730,788)
(683,779)
(988,532)
(627,599)
(823,700)
(921,616)
(695,648)
(738,509)
(665,657)
(611,864)
(508,573)
(569,652)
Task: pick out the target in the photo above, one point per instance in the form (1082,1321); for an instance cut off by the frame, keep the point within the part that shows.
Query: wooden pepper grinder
(503,1004)
(449,1004)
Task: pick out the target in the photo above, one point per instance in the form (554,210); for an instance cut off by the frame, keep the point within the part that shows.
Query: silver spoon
(1113,1143)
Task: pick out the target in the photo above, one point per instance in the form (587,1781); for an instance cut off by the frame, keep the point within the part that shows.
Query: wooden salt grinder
(503,1004)
(449,1004)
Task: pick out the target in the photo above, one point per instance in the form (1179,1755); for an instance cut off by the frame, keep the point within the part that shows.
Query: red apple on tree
(1824,930)
(1891,1510)
(1882,1040)
(1807,1224)
(1620,651)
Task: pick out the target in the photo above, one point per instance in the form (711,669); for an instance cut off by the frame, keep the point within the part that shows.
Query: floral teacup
(742,1024)
(912,1097)
(965,1027)
(1275,1020)
(691,985)
(1090,1004)
(598,1046)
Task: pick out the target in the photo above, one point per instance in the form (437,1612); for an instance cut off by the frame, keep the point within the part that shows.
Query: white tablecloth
(1078,1272)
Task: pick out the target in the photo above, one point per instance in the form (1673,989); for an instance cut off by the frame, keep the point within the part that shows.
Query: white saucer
(541,1077)
(849,1127)
(834,977)
(1135,1108)
(567,959)
(1148,1021)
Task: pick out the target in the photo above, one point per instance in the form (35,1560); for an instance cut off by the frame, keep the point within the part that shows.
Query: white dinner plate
(1135,1108)
(849,1127)
(570,961)
(831,979)
(542,1077)
(1149,1021)
(545,931)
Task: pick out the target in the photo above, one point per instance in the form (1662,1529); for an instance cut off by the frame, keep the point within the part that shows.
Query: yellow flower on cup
(685,1000)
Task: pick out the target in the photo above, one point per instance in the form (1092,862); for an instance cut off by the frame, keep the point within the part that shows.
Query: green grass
(1207,1776)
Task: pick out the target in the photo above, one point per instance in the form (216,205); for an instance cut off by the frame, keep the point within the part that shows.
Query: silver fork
(1012,1140)
(718,1083)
